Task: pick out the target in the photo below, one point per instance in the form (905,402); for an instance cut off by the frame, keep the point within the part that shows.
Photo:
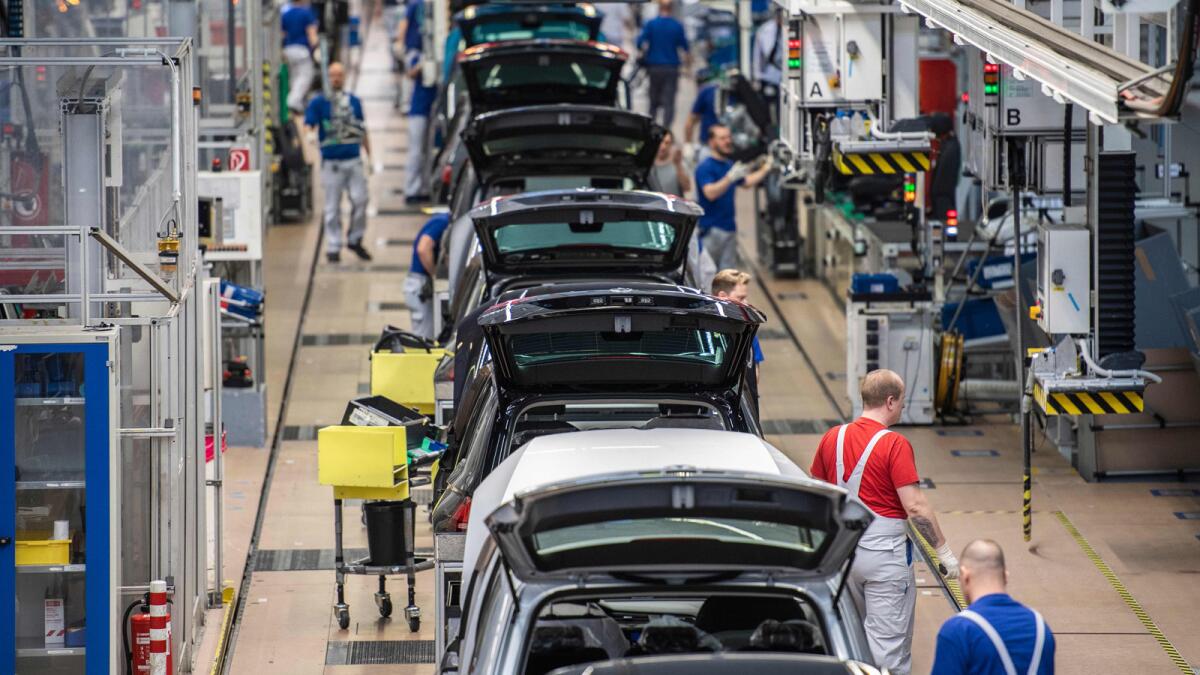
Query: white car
(633,550)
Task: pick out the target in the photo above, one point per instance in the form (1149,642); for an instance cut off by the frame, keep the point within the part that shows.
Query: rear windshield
(549,72)
(530,27)
(699,347)
(690,529)
(594,144)
(643,235)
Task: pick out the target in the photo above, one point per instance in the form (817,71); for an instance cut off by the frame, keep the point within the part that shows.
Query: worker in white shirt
(767,63)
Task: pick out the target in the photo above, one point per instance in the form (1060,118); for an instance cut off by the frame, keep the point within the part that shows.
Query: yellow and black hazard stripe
(880,163)
(1089,403)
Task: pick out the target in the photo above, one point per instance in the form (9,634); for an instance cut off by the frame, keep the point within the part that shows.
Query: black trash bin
(386,538)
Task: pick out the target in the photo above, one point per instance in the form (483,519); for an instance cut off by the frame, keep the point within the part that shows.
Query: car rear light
(461,515)
(446,171)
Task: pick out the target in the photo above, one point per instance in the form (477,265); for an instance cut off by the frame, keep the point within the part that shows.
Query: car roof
(556,458)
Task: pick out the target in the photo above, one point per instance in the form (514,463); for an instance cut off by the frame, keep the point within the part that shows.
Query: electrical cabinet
(897,335)
(58,561)
(1064,279)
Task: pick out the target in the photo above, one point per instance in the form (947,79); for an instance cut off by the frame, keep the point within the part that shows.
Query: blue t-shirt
(705,106)
(758,355)
(340,124)
(295,22)
(718,213)
(412,34)
(662,37)
(435,227)
(964,649)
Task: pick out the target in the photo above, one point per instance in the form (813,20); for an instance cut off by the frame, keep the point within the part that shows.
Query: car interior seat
(557,646)
(668,639)
(732,619)
(787,636)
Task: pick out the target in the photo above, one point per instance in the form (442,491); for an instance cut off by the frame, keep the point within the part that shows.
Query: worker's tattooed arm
(921,514)
(925,528)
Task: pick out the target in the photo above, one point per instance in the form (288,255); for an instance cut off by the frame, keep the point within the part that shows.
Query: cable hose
(1169,104)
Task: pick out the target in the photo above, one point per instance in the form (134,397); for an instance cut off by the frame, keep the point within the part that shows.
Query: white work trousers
(721,246)
(344,176)
(884,589)
(300,75)
(414,165)
(420,308)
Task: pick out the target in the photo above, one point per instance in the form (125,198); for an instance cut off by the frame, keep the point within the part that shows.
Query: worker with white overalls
(877,467)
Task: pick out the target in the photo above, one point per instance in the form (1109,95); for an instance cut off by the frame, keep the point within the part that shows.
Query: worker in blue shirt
(995,635)
(716,180)
(703,116)
(418,287)
(661,42)
(731,284)
(343,135)
(298,23)
(416,190)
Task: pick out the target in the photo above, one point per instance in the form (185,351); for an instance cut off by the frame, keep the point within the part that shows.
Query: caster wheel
(343,617)
(414,624)
(385,607)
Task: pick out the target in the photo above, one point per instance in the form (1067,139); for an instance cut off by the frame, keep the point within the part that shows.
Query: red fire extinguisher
(138,655)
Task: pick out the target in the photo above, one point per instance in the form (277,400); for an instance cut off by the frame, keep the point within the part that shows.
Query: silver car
(668,570)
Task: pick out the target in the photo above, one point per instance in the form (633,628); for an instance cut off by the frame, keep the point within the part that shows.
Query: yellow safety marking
(861,164)
(1135,399)
(1114,402)
(1063,402)
(1091,404)
(922,159)
(903,162)
(882,163)
(228,597)
(1126,596)
(950,584)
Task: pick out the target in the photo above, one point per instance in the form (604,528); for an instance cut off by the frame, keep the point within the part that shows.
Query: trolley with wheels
(371,463)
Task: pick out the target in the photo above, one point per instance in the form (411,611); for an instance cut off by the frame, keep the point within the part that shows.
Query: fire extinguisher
(137,656)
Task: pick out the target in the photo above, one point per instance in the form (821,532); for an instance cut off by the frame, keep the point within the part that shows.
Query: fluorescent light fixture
(1047,91)
(1019,74)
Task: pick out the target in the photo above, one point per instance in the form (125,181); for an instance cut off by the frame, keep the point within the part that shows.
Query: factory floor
(1112,567)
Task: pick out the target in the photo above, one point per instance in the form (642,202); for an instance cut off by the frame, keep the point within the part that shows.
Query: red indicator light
(991,67)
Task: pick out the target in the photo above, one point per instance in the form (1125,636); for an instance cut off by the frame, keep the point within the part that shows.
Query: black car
(496,76)
(598,356)
(543,239)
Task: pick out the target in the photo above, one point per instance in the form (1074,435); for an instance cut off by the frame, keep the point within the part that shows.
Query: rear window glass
(599,143)
(545,75)
(690,529)
(643,235)
(701,347)
(502,30)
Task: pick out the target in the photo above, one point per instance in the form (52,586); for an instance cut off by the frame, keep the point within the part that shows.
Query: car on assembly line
(657,550)
(545,239)
(495,76)
(596,355)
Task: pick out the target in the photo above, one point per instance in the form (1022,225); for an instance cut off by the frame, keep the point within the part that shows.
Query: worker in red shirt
(876,466)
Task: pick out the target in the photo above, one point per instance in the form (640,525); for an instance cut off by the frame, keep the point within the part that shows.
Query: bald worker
(877,467)
(995,635)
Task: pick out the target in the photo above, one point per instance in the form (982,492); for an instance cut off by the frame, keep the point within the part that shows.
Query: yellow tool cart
(367,457)
(402,369)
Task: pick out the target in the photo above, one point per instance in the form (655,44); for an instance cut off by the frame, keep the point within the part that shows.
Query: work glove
(738,172)
(691,152)
(949,562)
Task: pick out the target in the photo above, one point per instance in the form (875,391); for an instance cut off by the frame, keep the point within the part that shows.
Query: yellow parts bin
(406,378)
(363,462)
(43,551)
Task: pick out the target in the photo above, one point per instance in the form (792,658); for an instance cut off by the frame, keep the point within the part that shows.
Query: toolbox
(364,462)
(380,411)
(406,377)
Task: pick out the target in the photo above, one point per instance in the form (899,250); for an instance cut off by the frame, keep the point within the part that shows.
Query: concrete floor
(287,624)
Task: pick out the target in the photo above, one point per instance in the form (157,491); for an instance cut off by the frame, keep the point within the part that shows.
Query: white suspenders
(854,482)
(1005,658)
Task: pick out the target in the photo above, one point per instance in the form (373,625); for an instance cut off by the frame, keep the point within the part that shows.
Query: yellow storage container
(363,457)
(406,378)
(44,552)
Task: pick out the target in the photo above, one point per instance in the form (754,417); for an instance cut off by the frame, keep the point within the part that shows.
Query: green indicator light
(910,187)
(793,63)
(991,89)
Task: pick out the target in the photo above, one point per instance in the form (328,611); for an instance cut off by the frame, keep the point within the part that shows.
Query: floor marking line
(1130,602)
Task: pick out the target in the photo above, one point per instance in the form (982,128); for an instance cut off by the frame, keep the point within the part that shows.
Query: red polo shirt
(891,465)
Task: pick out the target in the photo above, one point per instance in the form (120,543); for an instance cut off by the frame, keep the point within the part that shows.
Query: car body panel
(562,139)
(637,337)
(648,250)
(530,72)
